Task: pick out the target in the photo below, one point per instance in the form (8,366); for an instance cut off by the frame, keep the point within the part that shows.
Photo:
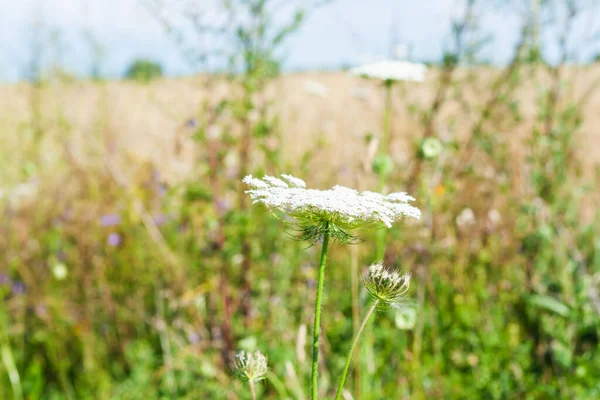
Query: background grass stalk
(387,118)
(315,355)
(355,314)
(384,150)
(351,351)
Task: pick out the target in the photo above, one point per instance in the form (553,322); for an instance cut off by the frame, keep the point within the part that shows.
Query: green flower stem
(384,149)
(253,390)
(316,328)
(387,118)
(351,351)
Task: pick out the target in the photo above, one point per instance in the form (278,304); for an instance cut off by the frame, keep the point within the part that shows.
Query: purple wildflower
(194,337)
(4,279)
(18,288)
(110,220)
(223,205)
(159,219)
(191,123)
(114,239)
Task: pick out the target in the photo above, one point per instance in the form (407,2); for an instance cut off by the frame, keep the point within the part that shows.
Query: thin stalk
(253,390)
(387,118)
(13,373)
(355,313)
(316,328)
(165,343)
(338,396)
(384,149)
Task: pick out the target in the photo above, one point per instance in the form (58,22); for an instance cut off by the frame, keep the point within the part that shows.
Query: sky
(343,33)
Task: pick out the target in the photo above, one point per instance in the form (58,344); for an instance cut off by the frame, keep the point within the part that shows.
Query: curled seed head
(390,287)
(249,367)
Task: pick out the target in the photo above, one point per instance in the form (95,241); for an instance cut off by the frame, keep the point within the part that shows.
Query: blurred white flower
(390,287)
(237,259)
(60,271)
(406,318)
(316,88)
(465,218)
(334,210)
(250,367)
(214,132)
(494,216)
(392,71)
(21,193)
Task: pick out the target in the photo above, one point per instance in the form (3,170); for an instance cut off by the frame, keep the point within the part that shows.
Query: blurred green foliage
(143,71)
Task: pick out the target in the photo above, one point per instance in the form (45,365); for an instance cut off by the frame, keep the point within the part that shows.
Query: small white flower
(250,367)
(20,194)
(390,287)
(494,216)
(60,271)
(465,218)
(337,209)
(392,71)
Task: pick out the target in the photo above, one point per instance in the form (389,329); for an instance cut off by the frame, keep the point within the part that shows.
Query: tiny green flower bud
(390,287)
(430,148)
(383,165)
(249,367)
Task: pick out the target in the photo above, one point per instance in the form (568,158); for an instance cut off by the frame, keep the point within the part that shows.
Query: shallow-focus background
(133,264)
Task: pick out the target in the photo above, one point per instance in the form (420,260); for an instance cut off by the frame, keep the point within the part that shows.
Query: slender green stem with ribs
(316,328)
(351,351)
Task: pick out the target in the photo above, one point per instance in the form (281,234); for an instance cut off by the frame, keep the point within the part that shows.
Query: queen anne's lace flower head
(335,211)
(250,367)
(392,71)
(390,287)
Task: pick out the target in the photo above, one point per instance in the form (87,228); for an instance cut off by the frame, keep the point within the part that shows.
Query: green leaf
(550,304)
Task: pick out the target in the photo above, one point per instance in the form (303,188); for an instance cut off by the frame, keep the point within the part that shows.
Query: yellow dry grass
(147,122)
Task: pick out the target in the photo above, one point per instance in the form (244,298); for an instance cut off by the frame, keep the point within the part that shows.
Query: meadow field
(124,265)
(139,257)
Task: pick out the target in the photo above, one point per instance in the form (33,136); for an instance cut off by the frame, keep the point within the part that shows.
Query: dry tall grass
(148,122)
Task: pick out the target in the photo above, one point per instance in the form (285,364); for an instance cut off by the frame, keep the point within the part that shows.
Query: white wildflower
(20,194)
(297,182)
(392,71)
(335,210)
(494,216)
(250,367)
(465,218)
(60,271)
(275,182)
(389,287)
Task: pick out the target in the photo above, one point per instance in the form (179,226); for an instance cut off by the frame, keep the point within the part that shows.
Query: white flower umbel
(337,210)
(250,367)
(325,214)
(392,70)
(389,287)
